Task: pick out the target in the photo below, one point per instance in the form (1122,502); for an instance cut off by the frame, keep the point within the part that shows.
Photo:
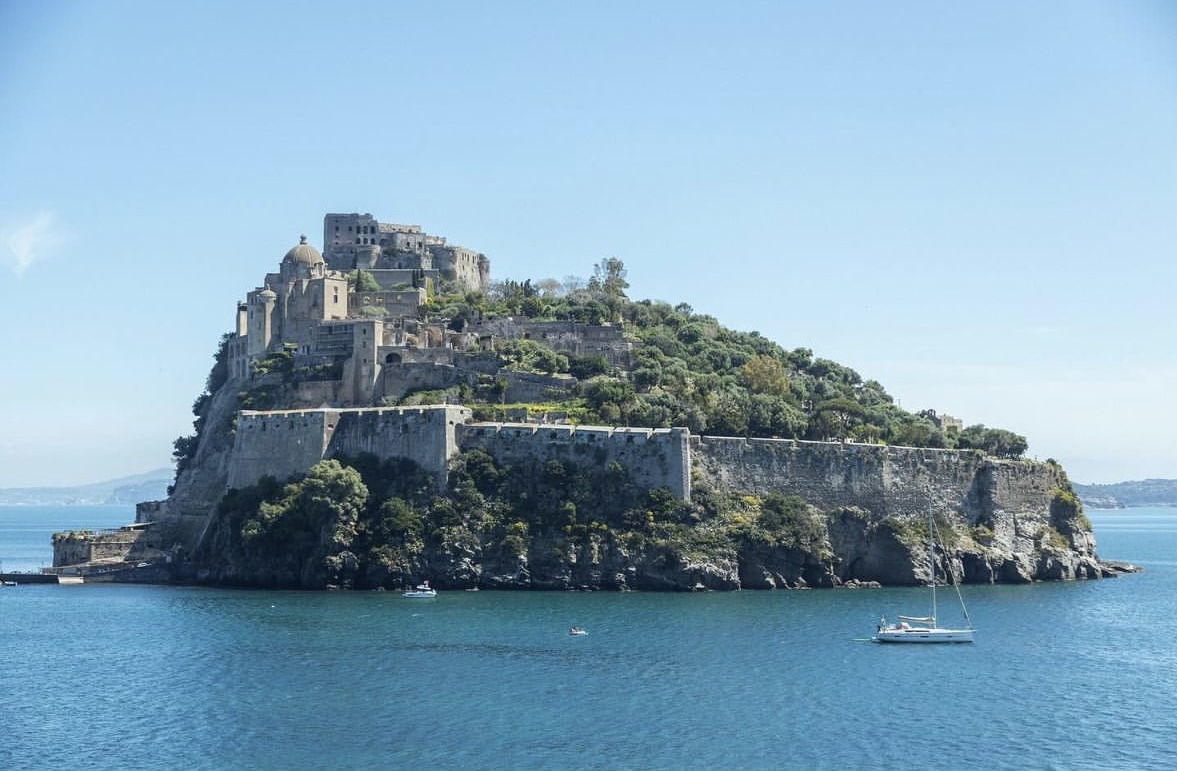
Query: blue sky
(973,203)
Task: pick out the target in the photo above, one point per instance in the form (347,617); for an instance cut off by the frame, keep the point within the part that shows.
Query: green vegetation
(912,531)
(1066,510)
(779,520)
(363,281)
(688,370)
(1050,536)
(279,362)
(362,522)
(529,356)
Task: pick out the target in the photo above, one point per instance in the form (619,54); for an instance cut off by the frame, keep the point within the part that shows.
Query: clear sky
(973,203)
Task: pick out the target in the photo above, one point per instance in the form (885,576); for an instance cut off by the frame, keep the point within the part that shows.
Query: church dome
(304,254)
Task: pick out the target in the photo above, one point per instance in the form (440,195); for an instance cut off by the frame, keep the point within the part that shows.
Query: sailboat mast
(932,559)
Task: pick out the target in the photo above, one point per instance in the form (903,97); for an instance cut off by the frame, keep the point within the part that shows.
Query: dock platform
(31,578)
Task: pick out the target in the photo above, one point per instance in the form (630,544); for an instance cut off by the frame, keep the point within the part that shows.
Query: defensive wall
(289,442)
(654,457)
(880,478)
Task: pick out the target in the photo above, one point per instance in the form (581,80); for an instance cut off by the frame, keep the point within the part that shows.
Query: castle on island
(338,343)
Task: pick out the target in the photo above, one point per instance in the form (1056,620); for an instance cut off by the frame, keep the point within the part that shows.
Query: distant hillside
(1147,492)
(151,486)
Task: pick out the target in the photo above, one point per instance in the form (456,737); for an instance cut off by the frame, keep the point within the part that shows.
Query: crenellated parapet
(880,478)
(280,444)
(287,443)
(886,479)
(830,474)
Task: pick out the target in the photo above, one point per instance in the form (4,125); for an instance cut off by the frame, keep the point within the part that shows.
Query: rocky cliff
(856,519)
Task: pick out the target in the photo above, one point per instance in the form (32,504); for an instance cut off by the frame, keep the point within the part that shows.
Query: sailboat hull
(918,635)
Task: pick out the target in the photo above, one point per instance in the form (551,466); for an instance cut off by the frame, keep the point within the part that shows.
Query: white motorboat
(421,592)
(923,629)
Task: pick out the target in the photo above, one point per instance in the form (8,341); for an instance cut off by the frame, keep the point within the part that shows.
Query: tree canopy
(689,370)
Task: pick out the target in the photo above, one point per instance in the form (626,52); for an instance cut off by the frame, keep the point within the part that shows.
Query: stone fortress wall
(288,442)
(654,457)
(883,479)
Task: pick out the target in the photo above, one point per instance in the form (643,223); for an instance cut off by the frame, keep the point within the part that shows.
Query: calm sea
(1063,676)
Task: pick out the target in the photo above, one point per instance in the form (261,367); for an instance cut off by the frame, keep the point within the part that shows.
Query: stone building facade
(400,254)
(287,309)
(376,341)
(307,309)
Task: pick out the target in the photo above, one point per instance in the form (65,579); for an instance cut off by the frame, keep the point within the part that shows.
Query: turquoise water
(1063,676)
(26,532)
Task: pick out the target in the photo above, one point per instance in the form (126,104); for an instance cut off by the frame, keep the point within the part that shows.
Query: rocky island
(382,414)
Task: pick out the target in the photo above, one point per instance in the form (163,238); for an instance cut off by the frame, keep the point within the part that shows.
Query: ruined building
(399,254)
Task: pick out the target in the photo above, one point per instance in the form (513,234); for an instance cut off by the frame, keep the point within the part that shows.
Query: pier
(29,578)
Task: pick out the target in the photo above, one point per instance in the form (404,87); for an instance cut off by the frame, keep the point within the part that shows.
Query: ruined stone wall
(399,380)
(108,545)
(528,387)
(319,392)
(466,266)
(571,337)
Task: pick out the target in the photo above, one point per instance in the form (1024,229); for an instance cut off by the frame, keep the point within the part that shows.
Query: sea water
(1062,676)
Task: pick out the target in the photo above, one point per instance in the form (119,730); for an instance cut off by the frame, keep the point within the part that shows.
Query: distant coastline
(149,486)
(1125,495)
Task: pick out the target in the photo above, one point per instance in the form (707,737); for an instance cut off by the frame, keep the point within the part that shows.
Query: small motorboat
(577,631)
(421,592)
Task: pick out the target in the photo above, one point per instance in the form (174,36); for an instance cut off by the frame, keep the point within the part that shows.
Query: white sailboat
(923,629)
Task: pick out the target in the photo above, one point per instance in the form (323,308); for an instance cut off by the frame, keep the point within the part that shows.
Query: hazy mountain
(1119,495)
(151,486)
